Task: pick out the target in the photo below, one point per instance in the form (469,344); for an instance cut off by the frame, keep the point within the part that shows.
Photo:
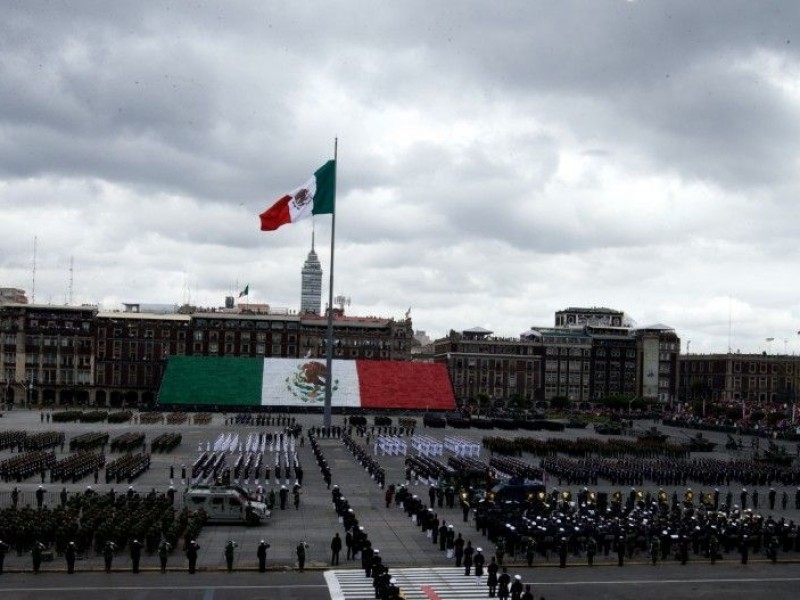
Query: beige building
(752,378)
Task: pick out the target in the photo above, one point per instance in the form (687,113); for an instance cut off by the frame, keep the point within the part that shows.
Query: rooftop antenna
(341,302)
(33,283)
(71,273)
(730,317)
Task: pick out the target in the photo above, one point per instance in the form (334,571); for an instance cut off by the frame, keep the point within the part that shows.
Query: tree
(484,401)
(517,402)
(621,402)
(559,402)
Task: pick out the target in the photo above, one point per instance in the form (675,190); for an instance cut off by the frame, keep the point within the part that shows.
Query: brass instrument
(617,496)
(566,495)
(688,496)
(663,498)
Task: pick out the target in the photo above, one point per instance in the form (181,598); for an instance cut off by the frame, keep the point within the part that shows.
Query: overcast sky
(497,161)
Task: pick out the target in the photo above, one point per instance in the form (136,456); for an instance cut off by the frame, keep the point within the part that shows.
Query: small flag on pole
(245,291)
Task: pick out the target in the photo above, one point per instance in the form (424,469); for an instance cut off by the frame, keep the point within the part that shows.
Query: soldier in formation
(191,555)
(108,554)
(300,550)
(136,554)
(230,548)
(164,548)
(261,555)
(70,554)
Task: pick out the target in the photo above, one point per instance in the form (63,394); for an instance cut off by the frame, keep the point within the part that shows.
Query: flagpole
(326,418)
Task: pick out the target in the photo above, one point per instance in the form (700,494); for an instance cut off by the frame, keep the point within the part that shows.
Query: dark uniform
(468,553)
(136,554)
(36,555)
(108,555)
(503,581)
(261,554)
(229,554)
(163,553)
(3,549)
(478,562)
(191,554)
(301,556)
(491,577)
(336,548)
(591,550)
(70,554)
(516,588)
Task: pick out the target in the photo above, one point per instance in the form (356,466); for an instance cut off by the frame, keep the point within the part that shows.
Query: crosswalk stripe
(417,583)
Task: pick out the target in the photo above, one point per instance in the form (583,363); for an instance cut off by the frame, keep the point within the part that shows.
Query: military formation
(90,523)
(566,524)
(694,526)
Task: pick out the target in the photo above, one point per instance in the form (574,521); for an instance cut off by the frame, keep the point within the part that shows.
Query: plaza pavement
(400,542)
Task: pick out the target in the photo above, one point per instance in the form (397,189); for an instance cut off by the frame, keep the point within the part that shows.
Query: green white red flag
(317,196)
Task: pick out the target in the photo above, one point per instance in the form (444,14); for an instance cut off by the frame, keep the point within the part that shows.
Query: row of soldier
(359,546)
(663,472)
(630,526)
(261,420)
(371,465)
(466,556)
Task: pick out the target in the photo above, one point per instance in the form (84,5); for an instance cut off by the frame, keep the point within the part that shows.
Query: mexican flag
(316,196)
(300,382)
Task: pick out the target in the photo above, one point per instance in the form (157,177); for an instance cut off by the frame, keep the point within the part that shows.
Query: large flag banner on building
(245,291)
(315,197)
(242,382)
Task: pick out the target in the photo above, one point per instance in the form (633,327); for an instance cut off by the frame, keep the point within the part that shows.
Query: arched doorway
(116,399)
(148,399)
(131,399)
(82,397)
(67,398)
(100,398)
(49,397)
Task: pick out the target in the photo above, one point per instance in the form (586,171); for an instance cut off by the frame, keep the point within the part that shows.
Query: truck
(226,504)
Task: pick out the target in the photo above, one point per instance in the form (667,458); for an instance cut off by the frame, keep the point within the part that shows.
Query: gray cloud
(495,165)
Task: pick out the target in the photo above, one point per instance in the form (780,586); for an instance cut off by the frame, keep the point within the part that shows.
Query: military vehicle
(698,443)
(226,504)
(610,428)
(775,455)
(652,435)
